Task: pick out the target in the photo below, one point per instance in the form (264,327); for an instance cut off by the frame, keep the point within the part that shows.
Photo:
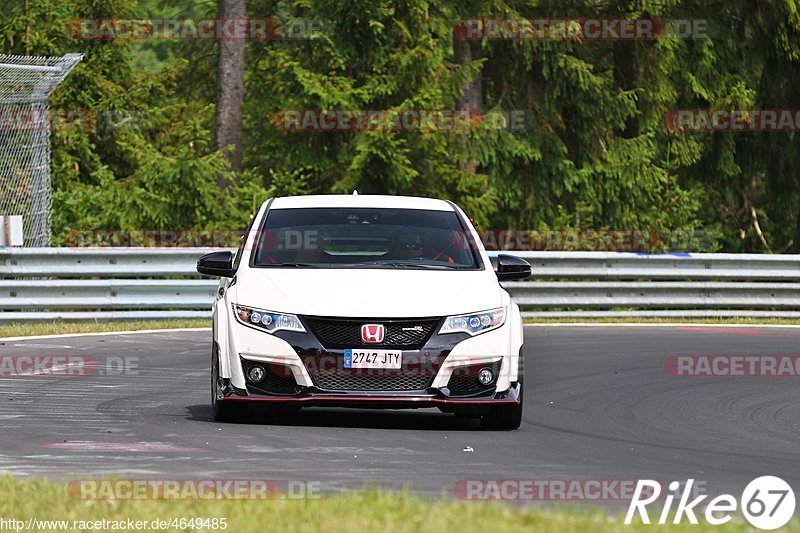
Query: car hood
(363,293)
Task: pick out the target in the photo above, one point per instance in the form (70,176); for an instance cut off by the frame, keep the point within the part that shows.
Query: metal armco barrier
(156,283)
(99,262)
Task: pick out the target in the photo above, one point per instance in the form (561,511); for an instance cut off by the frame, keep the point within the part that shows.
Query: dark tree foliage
(595,152)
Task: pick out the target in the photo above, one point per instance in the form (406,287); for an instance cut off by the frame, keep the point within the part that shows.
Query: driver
(436,247)
(407,244)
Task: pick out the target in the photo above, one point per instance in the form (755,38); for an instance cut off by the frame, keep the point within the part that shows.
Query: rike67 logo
(768,502)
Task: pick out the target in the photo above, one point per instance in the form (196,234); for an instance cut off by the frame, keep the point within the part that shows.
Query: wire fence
(26,82)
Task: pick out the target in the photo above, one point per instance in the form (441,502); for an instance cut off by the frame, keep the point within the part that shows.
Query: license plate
(373,358)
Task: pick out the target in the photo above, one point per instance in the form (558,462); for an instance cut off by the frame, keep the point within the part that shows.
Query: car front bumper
(377,400)
(443,355)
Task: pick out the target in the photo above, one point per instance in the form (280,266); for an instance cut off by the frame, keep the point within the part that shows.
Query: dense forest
(594,151)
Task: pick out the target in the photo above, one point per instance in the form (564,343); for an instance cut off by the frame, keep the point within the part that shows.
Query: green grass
(366,511)
(54,328)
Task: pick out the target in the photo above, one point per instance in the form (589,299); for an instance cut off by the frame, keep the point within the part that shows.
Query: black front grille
(278,379)
(464,380)
(408,334)
(374,380)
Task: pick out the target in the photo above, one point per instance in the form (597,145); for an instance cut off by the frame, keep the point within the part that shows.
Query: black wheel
(222,411)
(506,416)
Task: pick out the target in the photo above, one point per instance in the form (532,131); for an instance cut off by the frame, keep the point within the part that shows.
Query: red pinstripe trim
(376,399)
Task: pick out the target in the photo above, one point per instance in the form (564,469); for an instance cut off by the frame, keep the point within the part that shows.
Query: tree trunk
(464,52)
(230,90)
(626,77)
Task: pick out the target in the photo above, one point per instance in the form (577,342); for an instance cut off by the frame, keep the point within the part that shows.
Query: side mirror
(217,264)
(511,267)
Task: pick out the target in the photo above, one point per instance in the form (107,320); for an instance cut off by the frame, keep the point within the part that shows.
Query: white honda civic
(365,301)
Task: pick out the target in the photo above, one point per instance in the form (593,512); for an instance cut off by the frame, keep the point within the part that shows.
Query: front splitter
(384,401)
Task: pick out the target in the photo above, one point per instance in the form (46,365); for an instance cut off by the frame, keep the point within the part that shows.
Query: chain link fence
(25,84)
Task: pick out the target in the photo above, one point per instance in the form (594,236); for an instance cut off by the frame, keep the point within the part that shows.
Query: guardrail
(155,283)
(99,262)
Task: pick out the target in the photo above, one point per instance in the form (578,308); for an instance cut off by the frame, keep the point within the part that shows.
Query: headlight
(267,320)
(475,323)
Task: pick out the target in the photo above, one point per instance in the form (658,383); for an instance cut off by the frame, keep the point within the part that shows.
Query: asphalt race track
(599,405)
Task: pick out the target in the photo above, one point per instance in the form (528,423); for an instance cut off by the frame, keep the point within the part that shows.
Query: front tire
(222,411)
(506,416)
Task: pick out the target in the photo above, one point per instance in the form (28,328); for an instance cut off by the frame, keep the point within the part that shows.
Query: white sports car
(365,301)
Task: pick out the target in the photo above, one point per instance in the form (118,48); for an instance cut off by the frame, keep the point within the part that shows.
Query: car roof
(360,200)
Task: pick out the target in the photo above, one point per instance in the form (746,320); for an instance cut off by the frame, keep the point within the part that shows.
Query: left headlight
(474,323)
(267,320)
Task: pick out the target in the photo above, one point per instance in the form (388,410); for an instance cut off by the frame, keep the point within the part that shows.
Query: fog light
(486,376)
(256,374)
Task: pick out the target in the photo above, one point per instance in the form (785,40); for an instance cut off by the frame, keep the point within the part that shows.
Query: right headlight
(474,323)
(268,321)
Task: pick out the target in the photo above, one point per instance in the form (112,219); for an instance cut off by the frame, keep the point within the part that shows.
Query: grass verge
(55,328)
(353,511)
(659,320)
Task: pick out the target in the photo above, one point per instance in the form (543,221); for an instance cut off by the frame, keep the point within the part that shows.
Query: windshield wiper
(395,263)
(289,265)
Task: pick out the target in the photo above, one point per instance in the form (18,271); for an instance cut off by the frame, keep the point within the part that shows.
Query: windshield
(364,238)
